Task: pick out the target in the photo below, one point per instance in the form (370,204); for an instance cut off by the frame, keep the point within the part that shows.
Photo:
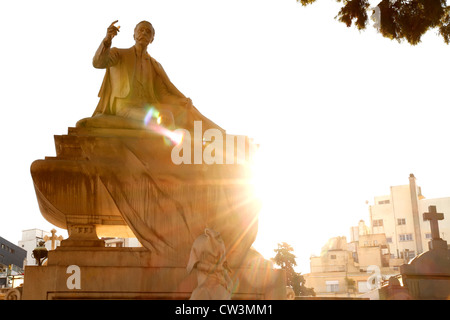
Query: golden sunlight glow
(267,188)
(282,217)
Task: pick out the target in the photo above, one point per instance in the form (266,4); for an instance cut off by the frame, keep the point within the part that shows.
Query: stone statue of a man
(135,82)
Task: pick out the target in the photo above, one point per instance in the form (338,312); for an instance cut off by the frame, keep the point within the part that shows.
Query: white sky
(341,115)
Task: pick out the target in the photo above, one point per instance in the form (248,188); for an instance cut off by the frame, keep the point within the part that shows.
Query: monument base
(132,273)
(427,276)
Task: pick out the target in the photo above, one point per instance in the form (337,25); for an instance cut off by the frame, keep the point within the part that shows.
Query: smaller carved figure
(209,259)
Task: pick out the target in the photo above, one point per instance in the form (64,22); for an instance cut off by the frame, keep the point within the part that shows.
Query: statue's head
(144,32)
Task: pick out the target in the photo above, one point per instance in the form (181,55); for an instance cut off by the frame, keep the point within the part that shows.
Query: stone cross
(53,238)
(433,216)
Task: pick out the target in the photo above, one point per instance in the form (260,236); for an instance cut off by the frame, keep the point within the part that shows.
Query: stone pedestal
(132,273)
(123,183)
(109,182)
(427,276)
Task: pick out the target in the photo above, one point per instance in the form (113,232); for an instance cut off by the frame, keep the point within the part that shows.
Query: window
(401,221)
(407,254)
(378,223)
(384,202)
(332,286)
(406,237)
(332,256)
(389,239)
(427,235)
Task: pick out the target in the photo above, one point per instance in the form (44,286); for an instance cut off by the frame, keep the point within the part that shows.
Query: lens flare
(152,113)
(153,120)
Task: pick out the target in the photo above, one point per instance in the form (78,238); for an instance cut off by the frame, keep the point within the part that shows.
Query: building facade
(12,261)
(351,269)
(399,216)
(397,233)
(121,242)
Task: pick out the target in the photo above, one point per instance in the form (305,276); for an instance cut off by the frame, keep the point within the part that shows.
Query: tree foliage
(285,259)
(397,19)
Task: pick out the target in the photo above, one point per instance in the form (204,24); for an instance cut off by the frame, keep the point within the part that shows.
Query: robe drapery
(167,206)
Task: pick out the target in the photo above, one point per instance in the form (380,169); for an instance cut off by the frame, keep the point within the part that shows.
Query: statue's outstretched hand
(112,31)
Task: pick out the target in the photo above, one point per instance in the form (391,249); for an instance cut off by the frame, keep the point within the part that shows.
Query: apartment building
(351,269)
(399,216)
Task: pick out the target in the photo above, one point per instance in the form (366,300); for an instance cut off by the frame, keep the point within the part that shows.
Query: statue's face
(143,34)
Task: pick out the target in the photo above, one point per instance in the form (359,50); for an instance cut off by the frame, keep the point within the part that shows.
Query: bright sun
(273,193)
(282,216)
